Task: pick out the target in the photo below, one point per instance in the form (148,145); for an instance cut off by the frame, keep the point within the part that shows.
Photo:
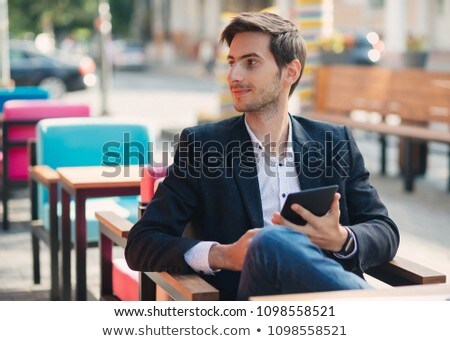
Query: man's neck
(275,126)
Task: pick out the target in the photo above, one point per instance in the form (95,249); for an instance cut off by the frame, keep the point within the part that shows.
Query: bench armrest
(401,271)
(44,175)
(184,287)
(116,224)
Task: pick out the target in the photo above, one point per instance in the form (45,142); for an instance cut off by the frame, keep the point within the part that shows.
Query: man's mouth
(239,91)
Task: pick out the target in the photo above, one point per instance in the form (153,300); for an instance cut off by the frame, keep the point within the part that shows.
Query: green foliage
(64,16)
(121,12)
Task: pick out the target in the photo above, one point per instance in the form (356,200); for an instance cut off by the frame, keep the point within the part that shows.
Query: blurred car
(128,55)
(353,49)
(58,72)
(364,52)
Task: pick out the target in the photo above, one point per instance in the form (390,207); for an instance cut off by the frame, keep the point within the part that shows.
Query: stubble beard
(266,104)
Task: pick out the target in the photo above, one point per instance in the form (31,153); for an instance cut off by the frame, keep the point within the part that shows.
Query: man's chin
(243,108)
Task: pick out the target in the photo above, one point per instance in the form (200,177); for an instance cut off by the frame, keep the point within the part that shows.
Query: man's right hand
(231,256)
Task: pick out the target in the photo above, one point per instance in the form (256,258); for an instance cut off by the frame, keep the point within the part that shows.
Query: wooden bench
(418,98)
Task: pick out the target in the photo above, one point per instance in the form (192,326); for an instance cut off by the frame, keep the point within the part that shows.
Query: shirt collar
(258,144)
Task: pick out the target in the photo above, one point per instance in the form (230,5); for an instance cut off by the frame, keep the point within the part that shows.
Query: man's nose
(235,74)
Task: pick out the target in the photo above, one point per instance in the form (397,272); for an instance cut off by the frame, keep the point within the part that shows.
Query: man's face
(253,77)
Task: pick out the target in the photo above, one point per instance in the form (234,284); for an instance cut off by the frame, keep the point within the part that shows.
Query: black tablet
(316,200)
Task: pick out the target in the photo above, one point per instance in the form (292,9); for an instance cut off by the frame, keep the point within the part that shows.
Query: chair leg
(36,260)
(5,178)
(105,266)
(5,196)
(147,288)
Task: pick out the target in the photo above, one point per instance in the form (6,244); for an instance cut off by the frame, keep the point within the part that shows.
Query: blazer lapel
(245,173)
(308,156)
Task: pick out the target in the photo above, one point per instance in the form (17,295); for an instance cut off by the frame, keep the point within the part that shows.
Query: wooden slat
(341,88)
(44,174)
(184,287)
(413,272)
(120,226)
(415,292)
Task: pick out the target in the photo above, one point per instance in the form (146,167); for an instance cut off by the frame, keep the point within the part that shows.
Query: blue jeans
(282,261)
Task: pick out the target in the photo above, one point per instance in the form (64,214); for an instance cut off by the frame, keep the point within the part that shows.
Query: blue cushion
(22,92)
(65,142)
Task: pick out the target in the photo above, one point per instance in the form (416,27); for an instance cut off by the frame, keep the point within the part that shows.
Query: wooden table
(83,183)
(429,292)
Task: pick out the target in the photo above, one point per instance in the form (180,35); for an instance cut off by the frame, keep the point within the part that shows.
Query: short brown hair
(286,44)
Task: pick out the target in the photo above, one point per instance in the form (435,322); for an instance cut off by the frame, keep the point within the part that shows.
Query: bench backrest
(343,88)
(417,95)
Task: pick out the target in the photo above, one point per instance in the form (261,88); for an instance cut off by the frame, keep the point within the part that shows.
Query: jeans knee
(272,237)
(274,242)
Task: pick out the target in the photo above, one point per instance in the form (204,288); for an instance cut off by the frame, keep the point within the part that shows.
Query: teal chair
(22,92)
(69,142)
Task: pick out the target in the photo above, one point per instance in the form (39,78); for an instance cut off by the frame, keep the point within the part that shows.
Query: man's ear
(293,70)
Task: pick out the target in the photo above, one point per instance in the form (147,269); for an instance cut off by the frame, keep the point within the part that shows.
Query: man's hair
(286,44)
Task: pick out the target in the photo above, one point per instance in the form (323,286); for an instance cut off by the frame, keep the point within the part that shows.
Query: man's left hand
(325,231)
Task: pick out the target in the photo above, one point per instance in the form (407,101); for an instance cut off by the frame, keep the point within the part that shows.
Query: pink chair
(19,121)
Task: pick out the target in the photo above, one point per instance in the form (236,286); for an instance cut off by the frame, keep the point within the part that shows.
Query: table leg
(54,267)
(105,266)
(80,246)
(383,146)
(66,245)
(409,172)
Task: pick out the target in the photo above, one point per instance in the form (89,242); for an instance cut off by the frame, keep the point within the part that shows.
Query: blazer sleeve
(155,242)
(376,234)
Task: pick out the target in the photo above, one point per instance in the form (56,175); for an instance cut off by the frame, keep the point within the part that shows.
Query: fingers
(278,219)
(253,232)
(334,208)
(304,213)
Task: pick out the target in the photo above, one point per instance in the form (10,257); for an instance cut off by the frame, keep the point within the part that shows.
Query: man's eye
(251,62)
(230,63)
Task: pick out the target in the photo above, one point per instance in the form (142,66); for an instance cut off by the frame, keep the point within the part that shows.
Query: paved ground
(166,101)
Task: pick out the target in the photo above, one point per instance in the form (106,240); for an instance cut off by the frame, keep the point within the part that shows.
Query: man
(231,178)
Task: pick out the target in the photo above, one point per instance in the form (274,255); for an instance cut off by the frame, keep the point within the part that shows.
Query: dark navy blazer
(213,184)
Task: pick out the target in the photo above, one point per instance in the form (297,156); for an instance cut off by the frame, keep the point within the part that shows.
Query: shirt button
(283,195)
